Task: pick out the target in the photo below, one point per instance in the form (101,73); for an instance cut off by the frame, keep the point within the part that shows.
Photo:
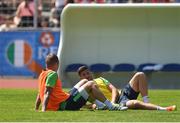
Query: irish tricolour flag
(19,53)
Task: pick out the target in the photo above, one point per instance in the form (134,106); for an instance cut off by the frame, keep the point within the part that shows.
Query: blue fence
(22,53)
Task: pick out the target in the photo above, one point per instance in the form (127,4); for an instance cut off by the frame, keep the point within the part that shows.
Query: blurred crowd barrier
(46,13)
(28,13)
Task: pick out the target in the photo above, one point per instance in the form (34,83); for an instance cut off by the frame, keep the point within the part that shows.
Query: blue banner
(22,53)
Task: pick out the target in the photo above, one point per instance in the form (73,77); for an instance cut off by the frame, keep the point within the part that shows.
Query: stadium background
(23,49)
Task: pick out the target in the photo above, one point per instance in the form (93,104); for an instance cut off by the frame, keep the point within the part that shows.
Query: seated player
(128,95)
(53,98)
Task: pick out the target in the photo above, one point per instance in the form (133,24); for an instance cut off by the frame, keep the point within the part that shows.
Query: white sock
(161,108)
(108,103)
(76,86)
(83,93)
(145,99)
(98,103)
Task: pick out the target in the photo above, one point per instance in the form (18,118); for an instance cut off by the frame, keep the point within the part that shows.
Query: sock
(72,91)
(76,86)
(108,103)
(145,99)
(99,103)
(83,93)
(161,108)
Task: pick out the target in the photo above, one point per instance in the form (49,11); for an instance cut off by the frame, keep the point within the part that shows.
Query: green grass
(18,105)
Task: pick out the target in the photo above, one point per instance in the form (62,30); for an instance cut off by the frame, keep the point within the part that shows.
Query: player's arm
(46,97)
(38,102)
(114,91)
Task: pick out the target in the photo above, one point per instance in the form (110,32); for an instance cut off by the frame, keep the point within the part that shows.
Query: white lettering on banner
(53,50)
(43,51)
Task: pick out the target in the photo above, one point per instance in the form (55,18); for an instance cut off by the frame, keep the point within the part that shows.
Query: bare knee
(137,78)
(140,77)
(82,82)
(140,74)
(133,104)
(90,85)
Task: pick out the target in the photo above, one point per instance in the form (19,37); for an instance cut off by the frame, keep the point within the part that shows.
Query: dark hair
(51,59)
(81,69)
(70,1)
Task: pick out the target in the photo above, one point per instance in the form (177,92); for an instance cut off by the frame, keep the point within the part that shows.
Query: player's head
(84,73)
(52,62)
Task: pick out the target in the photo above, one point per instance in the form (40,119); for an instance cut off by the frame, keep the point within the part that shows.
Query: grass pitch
(18,105)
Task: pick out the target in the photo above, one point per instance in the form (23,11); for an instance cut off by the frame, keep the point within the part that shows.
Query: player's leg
(78,85)
(91,89)
(90,98)
(136,104)
(139,84)
(78,97)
